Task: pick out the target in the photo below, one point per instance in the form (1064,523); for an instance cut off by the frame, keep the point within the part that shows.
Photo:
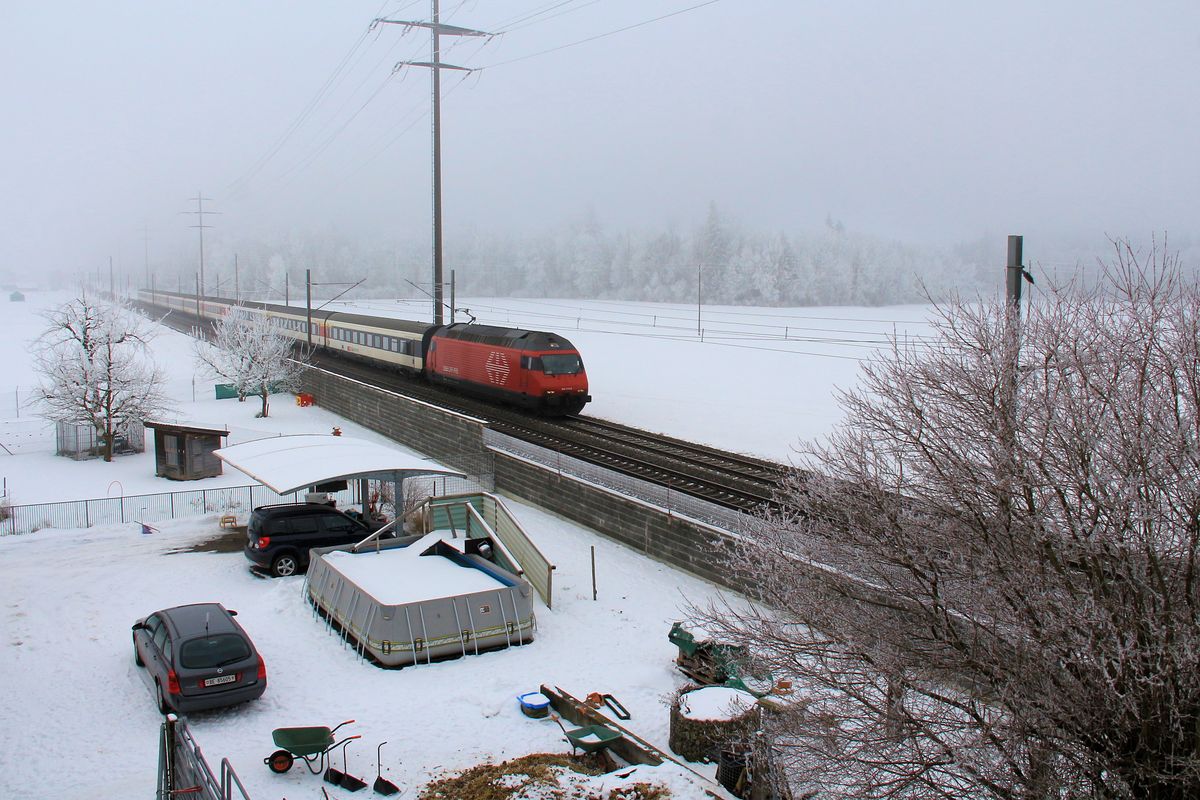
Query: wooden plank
(581,713)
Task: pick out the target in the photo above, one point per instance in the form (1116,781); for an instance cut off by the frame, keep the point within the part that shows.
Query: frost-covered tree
(97,368)
(987,583)
(250,352)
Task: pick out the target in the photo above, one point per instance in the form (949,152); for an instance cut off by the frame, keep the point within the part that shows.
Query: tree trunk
(265,404)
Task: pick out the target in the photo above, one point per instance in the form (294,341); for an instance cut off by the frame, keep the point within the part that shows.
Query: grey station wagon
(198,657)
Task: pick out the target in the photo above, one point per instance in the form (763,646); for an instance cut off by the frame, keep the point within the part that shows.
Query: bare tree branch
(252,354)
(97,368)
(986,580)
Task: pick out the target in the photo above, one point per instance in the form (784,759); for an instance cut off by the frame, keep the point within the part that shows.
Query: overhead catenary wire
(238,185)
(664,327)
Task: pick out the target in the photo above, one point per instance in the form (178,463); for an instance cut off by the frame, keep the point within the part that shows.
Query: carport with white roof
(288,464)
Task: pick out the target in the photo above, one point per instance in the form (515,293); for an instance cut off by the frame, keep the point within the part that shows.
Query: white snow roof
(290,463)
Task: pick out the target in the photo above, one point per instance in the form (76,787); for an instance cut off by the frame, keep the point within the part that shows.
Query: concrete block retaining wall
(449,438)
(457,441)
(648,529)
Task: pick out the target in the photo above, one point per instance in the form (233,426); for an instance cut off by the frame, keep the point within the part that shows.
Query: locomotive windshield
(562,364)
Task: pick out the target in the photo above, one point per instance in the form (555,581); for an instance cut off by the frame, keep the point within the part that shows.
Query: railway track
(727,479)
(730,480)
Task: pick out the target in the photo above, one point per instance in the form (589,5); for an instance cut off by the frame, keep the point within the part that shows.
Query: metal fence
(25,435)
(670,500)
(184,772)
(143,508)
(151,508)
(16,402)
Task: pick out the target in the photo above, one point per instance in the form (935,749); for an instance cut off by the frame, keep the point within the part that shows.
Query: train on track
(535,370)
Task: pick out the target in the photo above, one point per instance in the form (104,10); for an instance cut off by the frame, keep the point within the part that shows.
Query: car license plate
(219,680)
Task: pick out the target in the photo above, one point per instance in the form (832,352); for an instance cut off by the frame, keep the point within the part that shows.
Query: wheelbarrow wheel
(280,761)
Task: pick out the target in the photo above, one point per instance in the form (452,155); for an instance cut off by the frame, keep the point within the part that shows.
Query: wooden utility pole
(436,30)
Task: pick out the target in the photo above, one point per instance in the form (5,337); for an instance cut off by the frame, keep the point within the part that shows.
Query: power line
(238,186)
(603,35)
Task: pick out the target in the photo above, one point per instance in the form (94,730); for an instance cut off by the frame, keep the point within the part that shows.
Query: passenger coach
(536,370)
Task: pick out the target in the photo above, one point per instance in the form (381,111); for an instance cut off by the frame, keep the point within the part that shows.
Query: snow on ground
(81,722)
(758,381)
(76,698)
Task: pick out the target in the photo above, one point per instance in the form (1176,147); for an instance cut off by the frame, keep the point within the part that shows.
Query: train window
(560,364)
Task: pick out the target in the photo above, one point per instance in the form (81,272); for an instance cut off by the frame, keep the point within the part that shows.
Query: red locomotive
(532,369)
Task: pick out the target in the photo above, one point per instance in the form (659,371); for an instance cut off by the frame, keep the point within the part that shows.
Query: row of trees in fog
(719,259)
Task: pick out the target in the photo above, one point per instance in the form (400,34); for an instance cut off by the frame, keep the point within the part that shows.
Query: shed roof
(179,427)
(289,463)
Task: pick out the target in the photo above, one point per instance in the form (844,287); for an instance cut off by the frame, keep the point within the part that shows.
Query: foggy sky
(923,121)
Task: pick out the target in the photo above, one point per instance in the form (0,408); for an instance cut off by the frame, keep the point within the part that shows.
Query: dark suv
(278,537)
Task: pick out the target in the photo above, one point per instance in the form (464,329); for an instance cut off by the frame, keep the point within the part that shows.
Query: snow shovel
(348,781)
(382,785)
(335,776)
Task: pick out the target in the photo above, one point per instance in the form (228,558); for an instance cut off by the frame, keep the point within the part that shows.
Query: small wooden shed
(16,297)
(185,452)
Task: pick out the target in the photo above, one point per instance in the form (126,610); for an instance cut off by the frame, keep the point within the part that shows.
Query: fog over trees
(734,262)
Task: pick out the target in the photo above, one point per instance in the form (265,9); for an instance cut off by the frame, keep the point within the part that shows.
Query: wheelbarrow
(592,738)
(312,745)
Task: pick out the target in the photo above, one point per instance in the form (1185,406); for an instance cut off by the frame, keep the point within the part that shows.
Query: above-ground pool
(420,598)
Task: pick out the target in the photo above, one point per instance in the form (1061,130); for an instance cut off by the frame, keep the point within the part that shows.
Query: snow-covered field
(81,723)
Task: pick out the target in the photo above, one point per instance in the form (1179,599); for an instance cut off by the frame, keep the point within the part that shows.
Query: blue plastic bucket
(534,704)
